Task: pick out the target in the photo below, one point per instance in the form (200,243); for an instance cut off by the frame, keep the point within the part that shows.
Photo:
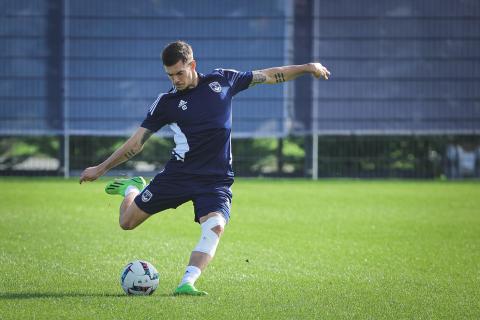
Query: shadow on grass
(44,295)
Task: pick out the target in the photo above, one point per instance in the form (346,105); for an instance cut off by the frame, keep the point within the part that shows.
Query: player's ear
(193,65)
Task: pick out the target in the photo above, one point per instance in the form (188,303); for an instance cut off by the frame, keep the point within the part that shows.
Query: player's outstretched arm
(287,73)
(129,149)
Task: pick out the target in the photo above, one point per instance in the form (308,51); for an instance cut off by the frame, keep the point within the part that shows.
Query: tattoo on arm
(258,77)
(147,134)
(130,154)
(279,77)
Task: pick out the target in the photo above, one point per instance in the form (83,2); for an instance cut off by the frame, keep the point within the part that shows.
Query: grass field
(293,250)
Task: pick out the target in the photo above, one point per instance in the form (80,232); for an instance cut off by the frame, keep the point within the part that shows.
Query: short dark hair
(176,51)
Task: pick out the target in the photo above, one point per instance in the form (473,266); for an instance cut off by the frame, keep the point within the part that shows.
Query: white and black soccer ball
(139,278)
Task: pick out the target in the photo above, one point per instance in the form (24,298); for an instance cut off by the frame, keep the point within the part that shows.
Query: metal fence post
(65,60)
(315,93)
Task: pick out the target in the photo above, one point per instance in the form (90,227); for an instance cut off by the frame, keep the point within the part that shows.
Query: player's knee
(132,217)
(218,230)
(126,225)
(211,231)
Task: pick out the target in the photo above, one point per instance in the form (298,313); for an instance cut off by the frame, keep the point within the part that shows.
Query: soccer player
(198,110)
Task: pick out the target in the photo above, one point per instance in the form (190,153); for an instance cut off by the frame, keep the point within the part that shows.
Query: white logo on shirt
(146,195)
(183,104)
(215,86)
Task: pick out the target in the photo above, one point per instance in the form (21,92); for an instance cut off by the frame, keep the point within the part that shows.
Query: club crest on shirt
(215,86)
(146,195)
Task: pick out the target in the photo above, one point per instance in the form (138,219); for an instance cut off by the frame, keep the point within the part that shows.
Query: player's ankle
(131,189)
(191,275)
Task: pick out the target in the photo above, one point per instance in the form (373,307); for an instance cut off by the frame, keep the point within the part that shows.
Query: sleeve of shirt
(156,117)
(238,80)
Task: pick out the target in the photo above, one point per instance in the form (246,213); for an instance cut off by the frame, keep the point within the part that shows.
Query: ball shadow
(46,295)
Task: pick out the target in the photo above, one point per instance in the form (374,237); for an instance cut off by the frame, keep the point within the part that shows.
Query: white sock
(191,275)
(131,189)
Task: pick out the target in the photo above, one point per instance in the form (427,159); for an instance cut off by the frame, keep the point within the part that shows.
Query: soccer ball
(139,278)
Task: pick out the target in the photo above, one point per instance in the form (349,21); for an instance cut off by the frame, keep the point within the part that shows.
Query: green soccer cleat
(188,289)
(118,186)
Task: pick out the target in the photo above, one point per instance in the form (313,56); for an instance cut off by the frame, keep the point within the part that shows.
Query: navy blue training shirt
(201,119)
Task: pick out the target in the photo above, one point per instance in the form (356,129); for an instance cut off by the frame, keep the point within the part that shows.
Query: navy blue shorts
(169,190)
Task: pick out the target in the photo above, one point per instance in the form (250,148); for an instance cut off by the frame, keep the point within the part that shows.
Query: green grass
(293,250)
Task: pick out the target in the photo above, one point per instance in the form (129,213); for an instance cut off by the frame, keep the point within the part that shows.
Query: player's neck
(194,81)
(192,85)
